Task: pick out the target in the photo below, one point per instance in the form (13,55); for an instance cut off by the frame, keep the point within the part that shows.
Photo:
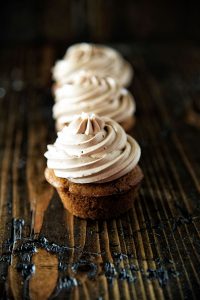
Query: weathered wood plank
(151,252)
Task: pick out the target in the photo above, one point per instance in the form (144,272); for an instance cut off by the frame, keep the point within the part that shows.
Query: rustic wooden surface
(153,251)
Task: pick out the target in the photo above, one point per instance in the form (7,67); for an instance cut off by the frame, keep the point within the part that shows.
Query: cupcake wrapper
(93,201)
(94,208)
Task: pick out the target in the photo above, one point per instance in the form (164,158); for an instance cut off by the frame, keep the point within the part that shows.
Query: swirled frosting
(102,60)
(88,92)
(92,150)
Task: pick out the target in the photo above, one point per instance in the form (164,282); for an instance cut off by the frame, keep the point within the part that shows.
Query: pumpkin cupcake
(93,164)
(100,95)
(103,61)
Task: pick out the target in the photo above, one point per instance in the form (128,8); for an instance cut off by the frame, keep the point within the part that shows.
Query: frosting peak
(88,124)
(92,150)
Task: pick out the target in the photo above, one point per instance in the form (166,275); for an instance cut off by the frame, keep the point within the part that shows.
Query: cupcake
(93,164)
(100,95)
(102,60)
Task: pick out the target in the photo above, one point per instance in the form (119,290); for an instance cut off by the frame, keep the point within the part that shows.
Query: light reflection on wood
(44,281)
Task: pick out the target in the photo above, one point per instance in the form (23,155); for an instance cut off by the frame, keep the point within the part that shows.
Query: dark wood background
(100,20)
(151,252)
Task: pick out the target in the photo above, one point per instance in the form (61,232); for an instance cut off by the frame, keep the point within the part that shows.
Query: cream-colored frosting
(92,150)
(102,60)
(88,92)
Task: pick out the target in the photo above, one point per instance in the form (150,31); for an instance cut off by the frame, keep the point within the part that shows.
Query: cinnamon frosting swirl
(88,92)
(102,60)
(92,150)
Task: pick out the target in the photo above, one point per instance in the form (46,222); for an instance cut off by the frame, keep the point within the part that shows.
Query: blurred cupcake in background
(103,96)
(102,60)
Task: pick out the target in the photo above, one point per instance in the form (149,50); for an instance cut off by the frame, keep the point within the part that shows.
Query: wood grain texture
(151,252)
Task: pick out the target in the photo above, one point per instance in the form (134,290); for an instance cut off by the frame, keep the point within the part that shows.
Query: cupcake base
(128,124)
(97,201)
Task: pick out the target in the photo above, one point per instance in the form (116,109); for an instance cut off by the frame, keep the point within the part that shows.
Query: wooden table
(151,252)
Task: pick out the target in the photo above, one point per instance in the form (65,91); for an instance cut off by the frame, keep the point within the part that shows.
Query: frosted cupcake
(93,164)
(100,95)
(102,60)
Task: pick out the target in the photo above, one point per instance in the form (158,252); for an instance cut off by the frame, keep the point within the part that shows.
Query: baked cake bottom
(97,200)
